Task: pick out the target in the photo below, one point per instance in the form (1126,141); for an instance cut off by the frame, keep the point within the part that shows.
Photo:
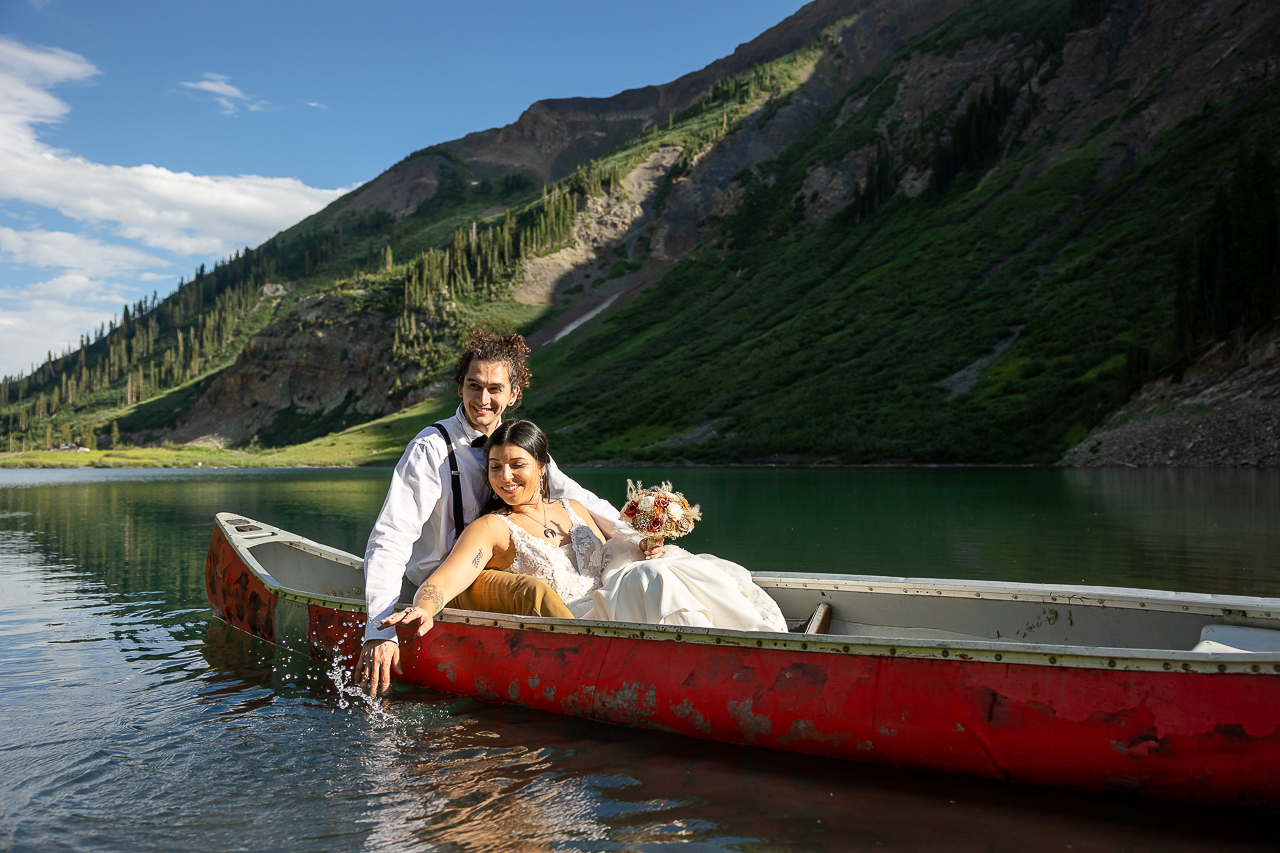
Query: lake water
(132,721)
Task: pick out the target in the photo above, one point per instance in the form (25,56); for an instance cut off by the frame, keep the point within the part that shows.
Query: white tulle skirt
(679,588)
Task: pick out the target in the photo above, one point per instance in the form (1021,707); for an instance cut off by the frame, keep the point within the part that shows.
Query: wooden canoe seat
(820,621)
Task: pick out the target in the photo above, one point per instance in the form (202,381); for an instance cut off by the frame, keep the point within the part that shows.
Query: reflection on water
(131,721)
(1185,529)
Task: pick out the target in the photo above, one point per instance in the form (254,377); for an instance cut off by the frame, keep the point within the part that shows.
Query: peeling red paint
(1207,737)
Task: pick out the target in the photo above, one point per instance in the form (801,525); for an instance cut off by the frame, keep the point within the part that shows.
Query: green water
(129,720)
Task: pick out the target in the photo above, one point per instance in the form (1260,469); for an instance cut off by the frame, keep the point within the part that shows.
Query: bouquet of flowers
(658,512)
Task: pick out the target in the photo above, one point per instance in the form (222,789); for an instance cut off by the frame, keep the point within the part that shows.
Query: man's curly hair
(511,350)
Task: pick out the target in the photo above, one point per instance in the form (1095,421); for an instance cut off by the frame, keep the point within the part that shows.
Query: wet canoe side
(1204,736)
(1197,736)
(239,597)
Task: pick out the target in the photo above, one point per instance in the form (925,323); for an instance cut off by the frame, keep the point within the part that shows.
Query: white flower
(646,503)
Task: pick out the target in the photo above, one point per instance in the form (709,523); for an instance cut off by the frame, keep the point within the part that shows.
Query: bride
(559,543)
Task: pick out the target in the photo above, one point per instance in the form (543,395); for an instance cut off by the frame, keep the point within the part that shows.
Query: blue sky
(141,139)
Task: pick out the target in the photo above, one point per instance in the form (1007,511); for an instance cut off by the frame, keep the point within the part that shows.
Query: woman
(559,543)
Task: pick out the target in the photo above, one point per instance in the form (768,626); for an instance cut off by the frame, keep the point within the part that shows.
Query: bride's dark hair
(526,436)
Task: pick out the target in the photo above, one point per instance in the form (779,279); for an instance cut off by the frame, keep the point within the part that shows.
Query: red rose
(655,525)
(660,502)
(630,509)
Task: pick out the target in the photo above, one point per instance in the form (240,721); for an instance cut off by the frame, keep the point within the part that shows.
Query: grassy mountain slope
(835,343)
(937,232)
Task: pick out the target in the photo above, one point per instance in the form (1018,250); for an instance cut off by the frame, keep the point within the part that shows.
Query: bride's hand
(652,548)
(410,616)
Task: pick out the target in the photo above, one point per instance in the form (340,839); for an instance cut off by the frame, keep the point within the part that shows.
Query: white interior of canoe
(866,606)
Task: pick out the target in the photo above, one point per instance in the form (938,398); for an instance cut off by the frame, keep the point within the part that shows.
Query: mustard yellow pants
(505,592)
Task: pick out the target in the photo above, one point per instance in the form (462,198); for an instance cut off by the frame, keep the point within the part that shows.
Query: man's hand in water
(377,659)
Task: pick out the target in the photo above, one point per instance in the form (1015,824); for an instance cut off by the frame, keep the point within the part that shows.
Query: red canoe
(1172,695)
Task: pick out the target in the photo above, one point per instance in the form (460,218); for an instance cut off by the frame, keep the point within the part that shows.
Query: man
(419,521)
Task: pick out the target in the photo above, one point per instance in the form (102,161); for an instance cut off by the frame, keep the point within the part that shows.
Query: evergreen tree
(1232,278)
(115,435)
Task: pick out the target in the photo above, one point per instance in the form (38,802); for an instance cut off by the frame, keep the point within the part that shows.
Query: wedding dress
(613,582)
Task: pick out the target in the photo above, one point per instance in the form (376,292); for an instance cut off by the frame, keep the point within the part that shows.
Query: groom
(438,487)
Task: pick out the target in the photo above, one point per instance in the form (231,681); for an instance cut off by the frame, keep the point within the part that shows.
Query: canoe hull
(1209,736)
(238,596)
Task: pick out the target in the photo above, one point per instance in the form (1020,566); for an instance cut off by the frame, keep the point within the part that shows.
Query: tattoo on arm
(476,561)
(429,598)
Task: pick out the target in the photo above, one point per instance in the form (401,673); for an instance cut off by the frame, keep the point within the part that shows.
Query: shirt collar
(469,432)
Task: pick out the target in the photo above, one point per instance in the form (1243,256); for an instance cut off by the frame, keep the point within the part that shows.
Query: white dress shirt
(415,530)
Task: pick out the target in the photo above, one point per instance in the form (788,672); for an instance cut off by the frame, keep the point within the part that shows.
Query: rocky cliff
(552,137)
(1224,410)
(980,315)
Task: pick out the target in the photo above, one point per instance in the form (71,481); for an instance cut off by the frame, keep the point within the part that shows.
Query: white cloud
(317,105)
(184,213)
(51,315)
(218,84)
(145,207)
(227,95)
(61,249)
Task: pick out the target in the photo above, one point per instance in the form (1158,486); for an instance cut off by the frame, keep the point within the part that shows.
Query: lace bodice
(571,569)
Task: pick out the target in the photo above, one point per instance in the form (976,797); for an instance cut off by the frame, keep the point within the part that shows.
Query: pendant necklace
(546,530)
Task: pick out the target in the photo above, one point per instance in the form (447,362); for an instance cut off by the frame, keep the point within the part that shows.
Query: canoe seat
(1235,638)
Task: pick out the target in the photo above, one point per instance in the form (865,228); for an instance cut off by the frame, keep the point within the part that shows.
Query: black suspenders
(458,523)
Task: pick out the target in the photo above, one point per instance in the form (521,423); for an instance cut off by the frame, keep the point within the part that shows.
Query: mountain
(936,231)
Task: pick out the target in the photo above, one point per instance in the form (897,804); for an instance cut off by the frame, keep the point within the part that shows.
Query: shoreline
(202,458)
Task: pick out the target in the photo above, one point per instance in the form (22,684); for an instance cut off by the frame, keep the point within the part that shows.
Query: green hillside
(1007,271)
(828,344)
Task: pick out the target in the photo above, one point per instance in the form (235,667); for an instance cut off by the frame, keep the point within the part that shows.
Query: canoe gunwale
(1089,596)
(990,651)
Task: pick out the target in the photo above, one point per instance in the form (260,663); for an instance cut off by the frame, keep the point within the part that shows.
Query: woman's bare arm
(473,551)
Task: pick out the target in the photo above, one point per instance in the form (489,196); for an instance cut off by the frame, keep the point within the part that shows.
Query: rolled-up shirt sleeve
(411,498)
(607,517)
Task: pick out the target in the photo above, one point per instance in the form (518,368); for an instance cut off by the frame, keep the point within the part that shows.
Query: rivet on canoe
(495,623)
(846,648)
(893,651)
(999,656)
(1111,664)
(946,654)
(717,641)
(1186,667)
(1142,604)
(977,595)
(1184,607)
(1168,665)
(1276,667)
(1015,598)
(804,645)
(551,627)
(588,630)
(677,638)
(1053,598)
(1254,667)
(1052,659)
(1222,667)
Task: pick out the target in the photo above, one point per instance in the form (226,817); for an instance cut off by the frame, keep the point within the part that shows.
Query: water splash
(351,696)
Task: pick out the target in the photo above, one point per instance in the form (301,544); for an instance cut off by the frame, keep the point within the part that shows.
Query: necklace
(546,530)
